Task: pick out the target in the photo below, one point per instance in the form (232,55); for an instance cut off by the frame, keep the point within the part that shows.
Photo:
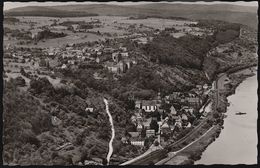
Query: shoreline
(194,152)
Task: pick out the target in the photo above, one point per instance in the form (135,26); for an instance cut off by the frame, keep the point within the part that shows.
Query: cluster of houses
(121,61)
(114,60)
(168,120)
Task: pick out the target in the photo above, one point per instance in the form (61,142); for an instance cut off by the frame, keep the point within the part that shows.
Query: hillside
(231,13)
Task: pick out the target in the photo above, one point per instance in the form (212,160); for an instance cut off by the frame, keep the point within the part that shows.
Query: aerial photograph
(129,83)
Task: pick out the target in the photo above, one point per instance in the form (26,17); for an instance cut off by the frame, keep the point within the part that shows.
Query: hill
(231,13)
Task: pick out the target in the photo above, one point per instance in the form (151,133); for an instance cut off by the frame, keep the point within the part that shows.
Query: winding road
(110,152)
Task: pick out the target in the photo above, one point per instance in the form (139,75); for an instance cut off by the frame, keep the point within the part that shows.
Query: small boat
(240,113)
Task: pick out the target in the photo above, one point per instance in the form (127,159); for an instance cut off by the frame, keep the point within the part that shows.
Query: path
(110,152)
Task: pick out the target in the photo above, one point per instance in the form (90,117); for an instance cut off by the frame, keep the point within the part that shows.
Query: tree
(146,143)
(156,143)
(19,81)
(143,133)
(154,125)
(22,71)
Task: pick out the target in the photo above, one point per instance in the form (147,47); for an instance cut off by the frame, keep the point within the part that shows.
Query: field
(110,27)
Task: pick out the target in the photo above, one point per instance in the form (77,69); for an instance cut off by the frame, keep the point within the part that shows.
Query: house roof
(193,99)
(110,64)
(174,95)
(165,125)
(149,103)
(134,134)
(150,131)
(184,117)
(139,126)
(123,139)
(173,110)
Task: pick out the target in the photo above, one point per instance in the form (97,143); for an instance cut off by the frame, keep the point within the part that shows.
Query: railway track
(190,134)
(152,158)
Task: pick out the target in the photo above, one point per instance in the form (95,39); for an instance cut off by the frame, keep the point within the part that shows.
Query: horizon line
(8,5)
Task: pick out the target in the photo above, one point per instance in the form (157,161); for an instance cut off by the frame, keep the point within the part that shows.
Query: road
(110,152)
(219,87)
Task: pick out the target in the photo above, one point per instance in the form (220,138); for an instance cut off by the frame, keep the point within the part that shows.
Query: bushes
(41,85)
(47,34)
(19,81)
(226,36)
(170,51)
(29,137)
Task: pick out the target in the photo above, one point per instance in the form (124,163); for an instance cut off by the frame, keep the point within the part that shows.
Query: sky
(10,5)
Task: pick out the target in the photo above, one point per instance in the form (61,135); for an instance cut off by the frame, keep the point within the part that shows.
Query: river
(237,142)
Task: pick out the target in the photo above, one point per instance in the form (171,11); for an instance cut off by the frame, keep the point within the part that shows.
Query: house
(174,96)
(146,124)
(188,109)
(173,111)
(188,125)
(99,53)
(35,33)
(122,66)
(64,66)
(128,63)
(205,86)
(98,60)
(150,132)
(108,50)
(90,109)
(193,101)
(178,122)
(55,121)
(138,104)
(124,140)
(71,62)
(199,87)
(134,134)
(112,67)
(137,142)
(116,57)
(133,119)
(139,128)
(124,49)
(97,160)
(124,54)
(139,118)
(184,117)
(149,105)
(165,128)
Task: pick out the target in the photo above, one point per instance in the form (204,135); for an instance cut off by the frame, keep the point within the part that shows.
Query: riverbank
(193,153)
(238,140)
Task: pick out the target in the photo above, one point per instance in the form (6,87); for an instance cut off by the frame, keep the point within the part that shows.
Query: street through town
(110,152)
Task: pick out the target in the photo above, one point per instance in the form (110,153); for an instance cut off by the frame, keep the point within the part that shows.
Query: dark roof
(149,103)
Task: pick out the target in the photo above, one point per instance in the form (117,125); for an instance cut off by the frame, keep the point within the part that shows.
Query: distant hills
(231,13)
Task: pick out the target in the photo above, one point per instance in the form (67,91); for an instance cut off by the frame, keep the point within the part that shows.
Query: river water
(237,142)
